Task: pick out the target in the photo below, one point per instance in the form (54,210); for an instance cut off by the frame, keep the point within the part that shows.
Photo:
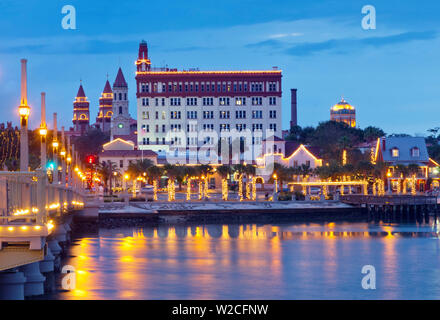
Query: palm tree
(224,171)
(250,173)
(240,169)
(282,174)
(180,177)
(403,171)
(154,173)
(205,170)
(172,171)
(413,169)
(106,169)
(304,170)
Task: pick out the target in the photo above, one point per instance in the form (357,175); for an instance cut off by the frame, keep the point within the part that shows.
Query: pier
(394,204)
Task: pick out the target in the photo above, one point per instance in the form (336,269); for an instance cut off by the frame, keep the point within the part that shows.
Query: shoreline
(177,213)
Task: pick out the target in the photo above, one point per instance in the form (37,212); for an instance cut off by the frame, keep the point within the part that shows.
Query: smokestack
(23,101)
(293,108)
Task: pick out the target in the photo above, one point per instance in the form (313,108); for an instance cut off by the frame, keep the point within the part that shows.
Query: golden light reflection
(124,263)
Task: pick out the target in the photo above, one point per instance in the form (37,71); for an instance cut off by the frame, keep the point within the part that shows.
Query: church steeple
(120,80)
(120,123)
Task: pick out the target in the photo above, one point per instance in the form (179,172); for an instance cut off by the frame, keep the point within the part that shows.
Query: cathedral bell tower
(105,109)
(81,112)
(120,123)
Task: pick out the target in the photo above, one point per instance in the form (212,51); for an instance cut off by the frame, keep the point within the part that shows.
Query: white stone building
(191,109)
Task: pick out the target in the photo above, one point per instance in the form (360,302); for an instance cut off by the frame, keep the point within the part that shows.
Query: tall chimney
(293,108)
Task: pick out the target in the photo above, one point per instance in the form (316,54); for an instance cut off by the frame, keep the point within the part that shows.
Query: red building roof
(120,80)
(81,93)
(107,88)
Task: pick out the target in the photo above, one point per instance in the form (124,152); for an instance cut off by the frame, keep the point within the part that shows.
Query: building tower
(343,112)
(103,120)
(120,123)
(81,112)
(143,63)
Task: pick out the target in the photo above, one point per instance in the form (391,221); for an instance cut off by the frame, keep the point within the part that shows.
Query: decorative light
(188,189)
(240,187)
(55,144)
(254,188)
(24,111)
(63,153)
(155,190)
(225,189)
(43,132)
(200,190)
(248,190)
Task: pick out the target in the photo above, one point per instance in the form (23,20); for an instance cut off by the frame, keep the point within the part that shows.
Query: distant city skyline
(389,74)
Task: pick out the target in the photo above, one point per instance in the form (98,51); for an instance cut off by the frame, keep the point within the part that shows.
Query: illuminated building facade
(81,113)
(406,151)
(343,112)
(103,120)
(195,108)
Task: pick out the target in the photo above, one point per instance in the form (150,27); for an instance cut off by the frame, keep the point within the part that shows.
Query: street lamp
(24,110)
(276,182)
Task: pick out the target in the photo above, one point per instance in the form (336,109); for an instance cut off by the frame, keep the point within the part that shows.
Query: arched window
(120,110)
(120,96)
(125,96)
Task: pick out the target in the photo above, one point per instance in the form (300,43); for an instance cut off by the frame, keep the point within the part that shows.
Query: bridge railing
(28,198)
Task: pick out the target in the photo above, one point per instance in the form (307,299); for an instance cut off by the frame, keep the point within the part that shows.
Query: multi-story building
(195,108)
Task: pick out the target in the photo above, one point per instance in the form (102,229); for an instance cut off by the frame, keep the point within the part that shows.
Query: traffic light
(91,159)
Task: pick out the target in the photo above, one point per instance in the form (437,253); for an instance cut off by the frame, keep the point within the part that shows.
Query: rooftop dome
(342,105)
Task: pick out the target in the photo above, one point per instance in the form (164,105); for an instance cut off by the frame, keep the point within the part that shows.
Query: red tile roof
(127,153)
(107,88)
(81,92)
(120,80)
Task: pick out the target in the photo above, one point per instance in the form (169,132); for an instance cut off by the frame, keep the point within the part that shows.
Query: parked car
(148,191)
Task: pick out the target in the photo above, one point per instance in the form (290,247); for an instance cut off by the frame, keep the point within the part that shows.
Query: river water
(286,261)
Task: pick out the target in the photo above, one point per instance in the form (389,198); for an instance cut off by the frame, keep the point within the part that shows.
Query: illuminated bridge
(30,209)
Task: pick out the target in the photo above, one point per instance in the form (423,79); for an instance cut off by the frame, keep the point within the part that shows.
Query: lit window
(415,152)
(395,152)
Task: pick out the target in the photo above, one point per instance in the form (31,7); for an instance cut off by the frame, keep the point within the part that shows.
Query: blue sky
(391,74)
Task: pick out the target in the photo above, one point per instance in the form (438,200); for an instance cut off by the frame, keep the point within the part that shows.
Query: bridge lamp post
(24,112)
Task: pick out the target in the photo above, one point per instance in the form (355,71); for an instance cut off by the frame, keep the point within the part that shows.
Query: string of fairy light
(9,144)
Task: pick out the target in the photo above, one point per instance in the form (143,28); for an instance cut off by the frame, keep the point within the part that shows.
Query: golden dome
(342,105)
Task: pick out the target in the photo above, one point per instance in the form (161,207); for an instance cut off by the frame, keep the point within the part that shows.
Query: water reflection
(251,261)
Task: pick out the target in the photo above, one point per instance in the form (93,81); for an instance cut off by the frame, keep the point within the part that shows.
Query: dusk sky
(391,74)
